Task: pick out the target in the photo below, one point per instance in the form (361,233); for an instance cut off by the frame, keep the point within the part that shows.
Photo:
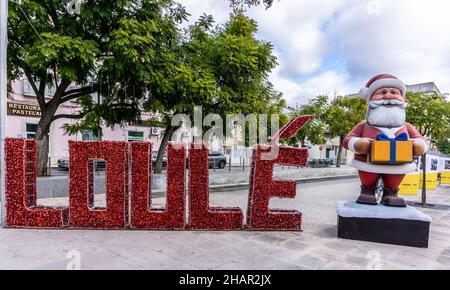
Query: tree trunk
(339,156)
(42,138)
(42,154)
(48,111)
(162,148)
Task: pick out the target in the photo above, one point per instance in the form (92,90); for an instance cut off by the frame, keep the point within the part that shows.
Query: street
(58,185)
(55,171)
(316,247)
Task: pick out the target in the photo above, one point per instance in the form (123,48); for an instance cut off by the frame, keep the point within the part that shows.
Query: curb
(242,186)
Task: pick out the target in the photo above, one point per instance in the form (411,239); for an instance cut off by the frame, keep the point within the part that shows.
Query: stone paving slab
(316,247)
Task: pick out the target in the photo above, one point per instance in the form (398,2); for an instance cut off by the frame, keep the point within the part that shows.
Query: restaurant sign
(15,109)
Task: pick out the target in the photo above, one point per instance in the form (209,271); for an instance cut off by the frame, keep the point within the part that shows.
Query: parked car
(64,164)
(320,163)
(155,156)
(217,160)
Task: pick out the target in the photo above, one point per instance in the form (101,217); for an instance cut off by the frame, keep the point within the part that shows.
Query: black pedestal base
(397,226)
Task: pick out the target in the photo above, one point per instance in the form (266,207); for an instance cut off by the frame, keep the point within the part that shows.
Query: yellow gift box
(391,151)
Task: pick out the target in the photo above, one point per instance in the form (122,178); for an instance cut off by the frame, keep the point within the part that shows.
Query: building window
(135,136)
(28,89)
(88,135)
(31,131)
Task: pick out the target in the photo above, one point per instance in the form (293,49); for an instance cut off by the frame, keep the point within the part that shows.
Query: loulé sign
(129,205)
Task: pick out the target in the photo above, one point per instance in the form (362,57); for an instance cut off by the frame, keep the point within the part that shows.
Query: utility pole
(3,101)
(424,180)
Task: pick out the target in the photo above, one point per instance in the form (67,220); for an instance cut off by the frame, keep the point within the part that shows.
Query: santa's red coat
(364,130)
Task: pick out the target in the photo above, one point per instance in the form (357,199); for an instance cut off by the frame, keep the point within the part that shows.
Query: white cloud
(219,9)
(338,45)
(408,38)
(295,28)
(328,83)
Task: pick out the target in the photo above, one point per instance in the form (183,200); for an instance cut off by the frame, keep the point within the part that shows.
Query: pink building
(23,117)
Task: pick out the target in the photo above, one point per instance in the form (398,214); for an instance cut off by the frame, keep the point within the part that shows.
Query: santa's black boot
(390,198)
(367,196)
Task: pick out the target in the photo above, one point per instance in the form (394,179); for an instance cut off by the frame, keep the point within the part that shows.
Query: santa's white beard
(384,117)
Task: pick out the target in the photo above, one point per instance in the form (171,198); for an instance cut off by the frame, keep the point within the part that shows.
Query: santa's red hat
(381,81)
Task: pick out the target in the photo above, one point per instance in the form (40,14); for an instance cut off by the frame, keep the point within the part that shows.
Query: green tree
(314,131)
(343,114)
(110,48)
(224,69)
(443,146)
(239,4)
(431,116)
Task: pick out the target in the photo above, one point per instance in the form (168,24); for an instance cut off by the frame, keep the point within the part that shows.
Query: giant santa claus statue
(386,97)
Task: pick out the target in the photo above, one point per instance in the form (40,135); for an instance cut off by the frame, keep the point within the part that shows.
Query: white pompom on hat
(381,81)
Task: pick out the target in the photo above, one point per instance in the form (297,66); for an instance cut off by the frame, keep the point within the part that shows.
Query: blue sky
(334,46)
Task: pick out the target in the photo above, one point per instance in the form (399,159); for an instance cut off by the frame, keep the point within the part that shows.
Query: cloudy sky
(334,46)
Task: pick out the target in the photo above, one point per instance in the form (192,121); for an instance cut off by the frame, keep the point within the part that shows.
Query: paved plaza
(316,247)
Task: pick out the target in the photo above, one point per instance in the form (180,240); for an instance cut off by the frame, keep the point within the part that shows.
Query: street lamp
(3,102)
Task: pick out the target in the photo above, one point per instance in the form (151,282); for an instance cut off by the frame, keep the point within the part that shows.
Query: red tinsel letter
(263,186)
(21,208)
(82,213)
(142,216)
(201,216)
